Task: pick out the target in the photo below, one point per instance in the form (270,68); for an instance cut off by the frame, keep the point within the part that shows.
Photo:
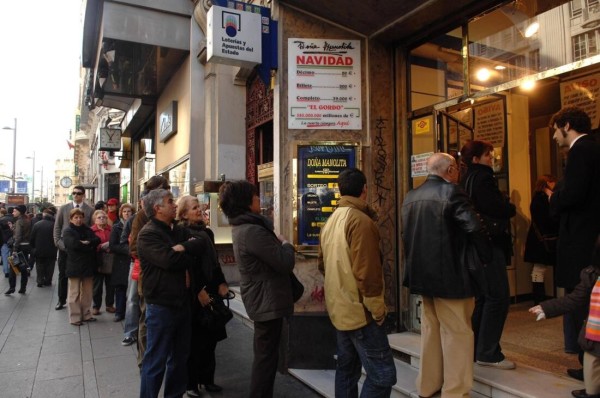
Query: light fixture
(483,74)
(518,14)
(499,67)
(528,85)
(532,29)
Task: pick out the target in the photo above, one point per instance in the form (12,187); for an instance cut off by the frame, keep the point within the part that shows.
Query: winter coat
(438,222)
(350,259)
(207,274)
(265,266)
(164,268)
(576,201)
(121,258)
(22,233)
(5,228)
(535,251)
(578,298)
(41,243)
(81,258)
(490,201)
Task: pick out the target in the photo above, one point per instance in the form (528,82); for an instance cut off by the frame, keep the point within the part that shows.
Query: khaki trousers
(446,347)
(591,373)
(79,298)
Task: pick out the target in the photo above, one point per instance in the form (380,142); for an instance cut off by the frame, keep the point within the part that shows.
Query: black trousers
(202,362)
(63,281)
(267,336)
(99,280)
(45,270)
(491,310)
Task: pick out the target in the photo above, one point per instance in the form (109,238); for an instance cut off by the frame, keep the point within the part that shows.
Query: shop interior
(522,67)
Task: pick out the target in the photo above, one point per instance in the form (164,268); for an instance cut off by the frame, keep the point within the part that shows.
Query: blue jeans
(132,312)
(5,252)
(369,347)
(167,349)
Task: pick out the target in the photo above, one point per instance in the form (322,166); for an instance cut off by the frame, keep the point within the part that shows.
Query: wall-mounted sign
(319,166)
(489,123)
(583,93)
(168,121)
(110,139)
(324,84)
(234,37)
(418,164)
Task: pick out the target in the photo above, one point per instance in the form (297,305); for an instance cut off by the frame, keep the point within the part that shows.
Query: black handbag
(216,314)
(476,270)
(493,226)
(297,287)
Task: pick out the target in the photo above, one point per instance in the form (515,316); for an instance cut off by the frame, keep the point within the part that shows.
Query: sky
(40,59)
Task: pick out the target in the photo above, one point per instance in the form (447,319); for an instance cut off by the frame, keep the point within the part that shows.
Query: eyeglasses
(77,193)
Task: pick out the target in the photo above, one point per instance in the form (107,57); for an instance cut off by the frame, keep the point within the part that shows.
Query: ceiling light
(532,29)
(483,74)
(499,67)
(528,85)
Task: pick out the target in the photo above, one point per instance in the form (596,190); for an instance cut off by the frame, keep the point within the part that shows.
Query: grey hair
(438,163)
(154,198)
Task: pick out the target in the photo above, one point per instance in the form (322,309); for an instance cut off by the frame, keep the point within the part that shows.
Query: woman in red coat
(102,275)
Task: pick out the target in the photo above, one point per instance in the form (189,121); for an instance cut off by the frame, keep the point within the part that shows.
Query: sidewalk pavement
(42,355)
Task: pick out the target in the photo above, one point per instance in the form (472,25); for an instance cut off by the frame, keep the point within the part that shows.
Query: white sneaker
(504,364)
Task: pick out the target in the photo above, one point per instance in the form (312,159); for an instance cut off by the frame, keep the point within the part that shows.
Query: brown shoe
(112,310)
(95,311)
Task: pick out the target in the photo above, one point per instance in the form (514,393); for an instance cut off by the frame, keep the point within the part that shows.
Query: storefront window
(179,179)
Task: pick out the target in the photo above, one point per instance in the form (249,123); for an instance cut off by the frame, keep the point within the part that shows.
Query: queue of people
(158,270)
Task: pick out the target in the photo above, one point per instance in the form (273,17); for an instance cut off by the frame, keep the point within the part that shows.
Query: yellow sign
(422,126)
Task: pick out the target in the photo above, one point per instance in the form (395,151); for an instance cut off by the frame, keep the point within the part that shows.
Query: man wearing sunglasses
(60,224)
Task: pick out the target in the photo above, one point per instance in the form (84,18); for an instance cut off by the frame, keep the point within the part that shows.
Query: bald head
(443,165)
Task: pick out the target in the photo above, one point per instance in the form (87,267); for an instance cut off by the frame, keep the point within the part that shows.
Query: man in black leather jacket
(439,227)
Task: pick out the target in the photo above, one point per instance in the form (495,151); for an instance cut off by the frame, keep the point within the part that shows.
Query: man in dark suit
(577,202)
(60,224)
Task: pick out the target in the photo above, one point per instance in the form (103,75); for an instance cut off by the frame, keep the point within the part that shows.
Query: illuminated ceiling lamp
(518,15)
(483,74)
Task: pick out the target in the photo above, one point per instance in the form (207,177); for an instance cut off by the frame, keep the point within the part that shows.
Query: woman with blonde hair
(206,280)
(103,271)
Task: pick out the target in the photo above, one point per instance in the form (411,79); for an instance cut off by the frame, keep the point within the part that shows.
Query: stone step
(524,381)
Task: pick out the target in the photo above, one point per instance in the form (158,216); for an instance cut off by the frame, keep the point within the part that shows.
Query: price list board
(324,79)
(318,169)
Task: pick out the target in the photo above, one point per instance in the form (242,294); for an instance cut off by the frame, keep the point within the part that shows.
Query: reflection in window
(179,179)
(584,45)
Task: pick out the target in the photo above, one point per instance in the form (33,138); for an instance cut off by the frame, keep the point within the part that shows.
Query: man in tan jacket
(350,259)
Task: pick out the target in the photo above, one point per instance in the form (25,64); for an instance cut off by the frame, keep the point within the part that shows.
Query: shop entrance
(516,122)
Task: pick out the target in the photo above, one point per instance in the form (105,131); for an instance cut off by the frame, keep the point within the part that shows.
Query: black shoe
(118,318)
(9,291)
(22,290)
(576,374)
(193,393)
(213,388)
(40,285)
(6,275)
(128,341)
(583,394)
(59,306)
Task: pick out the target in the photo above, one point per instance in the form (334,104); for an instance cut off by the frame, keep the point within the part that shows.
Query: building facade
(364,83)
